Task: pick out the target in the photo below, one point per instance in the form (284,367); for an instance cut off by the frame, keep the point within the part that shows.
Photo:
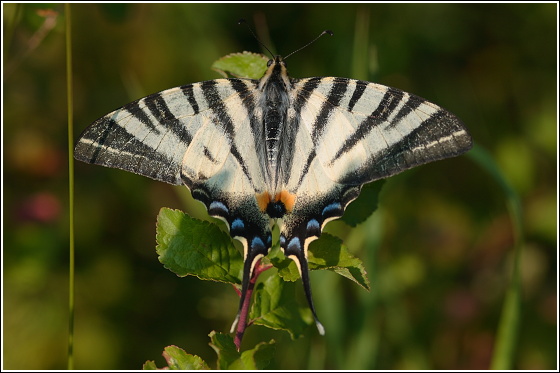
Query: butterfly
(277,150)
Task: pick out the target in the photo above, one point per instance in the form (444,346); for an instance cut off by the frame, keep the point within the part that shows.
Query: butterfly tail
(297,254)
(307,289)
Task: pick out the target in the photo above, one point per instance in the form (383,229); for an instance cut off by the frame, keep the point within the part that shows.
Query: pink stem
(242,323)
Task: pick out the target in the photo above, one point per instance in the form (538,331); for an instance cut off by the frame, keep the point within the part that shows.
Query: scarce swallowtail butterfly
(279,150)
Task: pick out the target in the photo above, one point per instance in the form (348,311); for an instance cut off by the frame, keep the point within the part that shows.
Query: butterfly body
(276,150)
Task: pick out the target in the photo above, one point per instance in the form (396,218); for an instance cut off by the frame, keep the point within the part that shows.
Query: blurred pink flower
(42,207)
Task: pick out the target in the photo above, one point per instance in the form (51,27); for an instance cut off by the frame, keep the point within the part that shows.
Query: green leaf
(287,269)
(150,365)
(242,65)
(363,206)
(178,359)
(328,252)
(275,306)
(285,266)
(225,349)
(189,246)
(257,358)
(229,358)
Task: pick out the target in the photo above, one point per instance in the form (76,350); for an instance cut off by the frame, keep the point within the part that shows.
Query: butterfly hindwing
(246,223)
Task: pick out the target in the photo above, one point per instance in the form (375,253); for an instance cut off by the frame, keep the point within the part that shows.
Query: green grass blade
(70,105)
(504,349)
(361,45)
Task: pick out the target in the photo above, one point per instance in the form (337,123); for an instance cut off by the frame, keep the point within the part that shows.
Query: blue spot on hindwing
(218,208)
(334,207)
(313,228)
(294,245)
(237,224)
(257,244)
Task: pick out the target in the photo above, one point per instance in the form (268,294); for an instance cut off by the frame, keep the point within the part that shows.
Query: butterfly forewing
(150,136)
(372,131)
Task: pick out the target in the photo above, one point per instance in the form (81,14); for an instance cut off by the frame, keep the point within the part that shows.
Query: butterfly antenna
(243,21)
(311,42)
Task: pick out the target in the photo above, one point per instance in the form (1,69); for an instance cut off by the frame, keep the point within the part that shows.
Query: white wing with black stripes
(291,151)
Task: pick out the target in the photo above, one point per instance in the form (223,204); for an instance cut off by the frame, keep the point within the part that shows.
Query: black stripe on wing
(250,103)
(412,103)
(357,94)
(163,115)
(335,95)
(378,116)
(288,139)
(224,119)
(188,91)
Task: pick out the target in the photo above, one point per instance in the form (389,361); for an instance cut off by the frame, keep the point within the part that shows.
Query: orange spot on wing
(263,199)
(287,198)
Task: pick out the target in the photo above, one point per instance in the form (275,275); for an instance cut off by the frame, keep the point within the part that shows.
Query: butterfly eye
(269,63)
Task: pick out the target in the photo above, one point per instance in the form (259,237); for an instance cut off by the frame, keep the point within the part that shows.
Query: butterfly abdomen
(276,110)
(275,101)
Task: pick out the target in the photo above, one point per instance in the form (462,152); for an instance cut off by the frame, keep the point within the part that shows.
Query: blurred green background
(438,251)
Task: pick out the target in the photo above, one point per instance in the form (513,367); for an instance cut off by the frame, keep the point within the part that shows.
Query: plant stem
(242,324)
(70,106)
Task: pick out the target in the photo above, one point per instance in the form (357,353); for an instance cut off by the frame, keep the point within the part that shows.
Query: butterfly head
(275,80)
(277,60)
(277,67)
